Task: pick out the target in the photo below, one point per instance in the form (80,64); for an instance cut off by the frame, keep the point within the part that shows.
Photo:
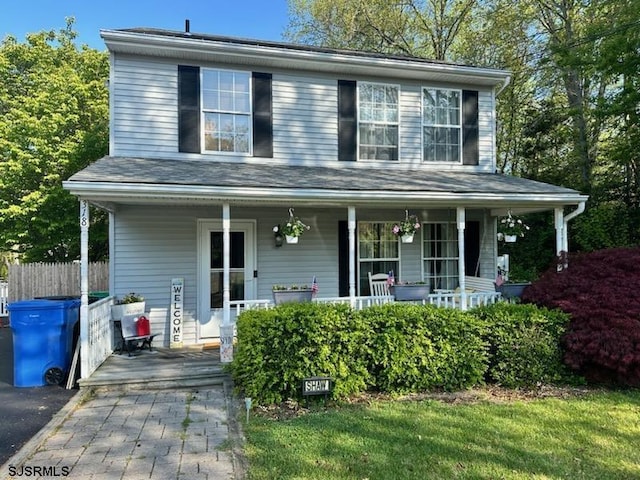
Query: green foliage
(279,347)
(53,123)
(416,348)
(524,344)
(603,226)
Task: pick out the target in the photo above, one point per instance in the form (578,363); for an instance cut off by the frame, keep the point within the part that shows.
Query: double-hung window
(226,106)
(378,121)
(378,251)
(441,125)
(440,255)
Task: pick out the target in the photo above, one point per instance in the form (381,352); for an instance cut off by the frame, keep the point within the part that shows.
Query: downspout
(565,226)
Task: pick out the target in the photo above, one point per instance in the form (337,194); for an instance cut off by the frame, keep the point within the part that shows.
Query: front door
(241,274)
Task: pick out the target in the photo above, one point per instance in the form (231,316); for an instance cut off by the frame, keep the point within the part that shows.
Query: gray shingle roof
(124,170)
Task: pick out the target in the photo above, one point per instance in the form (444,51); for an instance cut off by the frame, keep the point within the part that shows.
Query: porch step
(158,370)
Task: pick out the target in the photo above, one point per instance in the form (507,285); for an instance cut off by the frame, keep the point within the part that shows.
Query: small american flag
(314,286)
(390,279)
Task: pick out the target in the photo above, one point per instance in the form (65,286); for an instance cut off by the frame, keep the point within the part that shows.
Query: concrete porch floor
(161,368)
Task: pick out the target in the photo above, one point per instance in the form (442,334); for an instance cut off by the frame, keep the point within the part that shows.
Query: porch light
(277,236)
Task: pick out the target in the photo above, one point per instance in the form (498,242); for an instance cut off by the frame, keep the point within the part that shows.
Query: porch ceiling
(143,180)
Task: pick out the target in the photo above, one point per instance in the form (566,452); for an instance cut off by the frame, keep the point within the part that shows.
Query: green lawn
(596,436)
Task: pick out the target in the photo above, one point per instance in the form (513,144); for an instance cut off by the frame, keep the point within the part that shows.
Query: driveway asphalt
(23,411)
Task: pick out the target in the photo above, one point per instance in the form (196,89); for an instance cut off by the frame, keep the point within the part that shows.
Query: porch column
(561,234)
(226,329)
(84,288)
(226,264)
(461,221)
(351,227)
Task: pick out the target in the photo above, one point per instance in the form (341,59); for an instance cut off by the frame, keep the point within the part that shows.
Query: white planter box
(119,311)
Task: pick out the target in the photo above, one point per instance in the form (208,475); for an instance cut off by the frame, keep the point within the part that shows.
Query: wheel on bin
(54,376)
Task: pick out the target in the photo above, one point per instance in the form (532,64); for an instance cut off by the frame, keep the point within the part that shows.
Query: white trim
(204,110)
(107,191)
(274,55)
(204,227)
(437,125)
(360,122)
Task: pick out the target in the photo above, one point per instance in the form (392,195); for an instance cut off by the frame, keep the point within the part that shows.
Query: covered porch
(189,221)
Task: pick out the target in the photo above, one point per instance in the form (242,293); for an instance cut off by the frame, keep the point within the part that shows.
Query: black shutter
(347,121)
(262,115)
(188,109)
(470,153)
(343,258)
(471,248)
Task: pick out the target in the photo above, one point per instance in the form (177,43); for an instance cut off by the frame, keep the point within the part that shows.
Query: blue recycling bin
(43,334)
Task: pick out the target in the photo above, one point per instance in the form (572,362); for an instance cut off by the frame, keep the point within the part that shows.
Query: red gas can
(142,326)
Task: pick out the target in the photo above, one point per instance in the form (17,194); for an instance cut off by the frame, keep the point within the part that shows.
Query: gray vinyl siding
(305,120)
(144,122)
(145,96)
(152,246)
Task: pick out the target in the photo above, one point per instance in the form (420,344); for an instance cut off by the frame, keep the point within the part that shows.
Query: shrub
(524,344)
(600,292)
(416,348)
(279,347)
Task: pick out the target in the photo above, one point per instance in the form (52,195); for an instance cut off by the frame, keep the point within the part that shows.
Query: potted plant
(130,304)
(509,289)
(407,228)
(511,227)
(292,229)
(292,293)
(407,291)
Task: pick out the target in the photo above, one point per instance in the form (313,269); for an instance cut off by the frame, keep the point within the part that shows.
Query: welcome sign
(177,298)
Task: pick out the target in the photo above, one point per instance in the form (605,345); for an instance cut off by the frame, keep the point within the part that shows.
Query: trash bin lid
(39,304)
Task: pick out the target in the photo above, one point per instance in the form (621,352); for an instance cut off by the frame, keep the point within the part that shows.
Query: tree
(53,123)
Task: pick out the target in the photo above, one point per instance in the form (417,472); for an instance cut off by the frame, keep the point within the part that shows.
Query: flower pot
(407,238)
(119,311)
(409,292)
(510,238)
(291,239)
(512,290)
(286,296)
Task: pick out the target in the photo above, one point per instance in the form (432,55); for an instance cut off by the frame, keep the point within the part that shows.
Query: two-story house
(214,139)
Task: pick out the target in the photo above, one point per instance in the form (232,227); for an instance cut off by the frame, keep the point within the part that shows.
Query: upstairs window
(226,110)
(441,125)
(378,121)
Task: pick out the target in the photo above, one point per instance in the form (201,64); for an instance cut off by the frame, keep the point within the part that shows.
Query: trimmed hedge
(279,347)
(524,344)
(416,348)
(394,348)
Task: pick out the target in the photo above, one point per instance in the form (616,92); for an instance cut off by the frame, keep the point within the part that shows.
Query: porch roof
(136,180)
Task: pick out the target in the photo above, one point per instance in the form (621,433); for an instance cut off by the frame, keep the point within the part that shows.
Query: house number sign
(177,296)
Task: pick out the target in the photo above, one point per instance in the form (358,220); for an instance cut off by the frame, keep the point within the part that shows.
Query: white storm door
(242,284)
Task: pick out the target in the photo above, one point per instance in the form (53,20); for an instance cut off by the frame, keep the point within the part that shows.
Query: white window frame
(452,240)
(436,125)
(383,123)
(386,226)
(204,111)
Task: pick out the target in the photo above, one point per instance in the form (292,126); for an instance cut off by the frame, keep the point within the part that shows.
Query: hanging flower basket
(511,227)
(407,238)
(292,229)
(407,228)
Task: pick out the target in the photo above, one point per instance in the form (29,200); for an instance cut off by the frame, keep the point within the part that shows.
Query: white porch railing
(4,295)
(440,299)
(99,336)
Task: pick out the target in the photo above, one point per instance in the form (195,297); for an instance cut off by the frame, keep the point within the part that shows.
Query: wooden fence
(32,280)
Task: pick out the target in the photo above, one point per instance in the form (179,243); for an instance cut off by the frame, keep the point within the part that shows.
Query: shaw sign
(316,386)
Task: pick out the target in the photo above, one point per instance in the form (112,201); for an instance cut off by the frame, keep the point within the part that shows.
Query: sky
(257,19)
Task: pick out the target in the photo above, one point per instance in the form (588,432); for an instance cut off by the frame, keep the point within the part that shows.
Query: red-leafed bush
(601,292)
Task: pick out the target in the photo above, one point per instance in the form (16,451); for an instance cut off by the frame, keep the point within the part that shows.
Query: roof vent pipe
(187,26)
